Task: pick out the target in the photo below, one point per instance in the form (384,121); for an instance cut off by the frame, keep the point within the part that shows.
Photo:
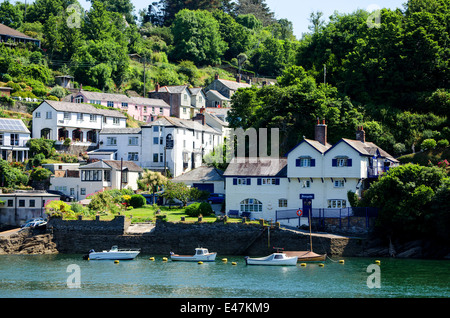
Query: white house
(84,180)
(79,122)
(119,143)
(313,175)
(14,136)
(179,143)
(204,178)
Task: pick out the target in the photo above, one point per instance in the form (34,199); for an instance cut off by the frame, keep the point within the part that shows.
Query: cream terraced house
(314,174)
(79,122)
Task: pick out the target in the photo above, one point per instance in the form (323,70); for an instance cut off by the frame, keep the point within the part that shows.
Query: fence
(340,218)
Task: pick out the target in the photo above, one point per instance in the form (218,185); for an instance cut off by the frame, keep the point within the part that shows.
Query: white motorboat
(114,254)
(272,260)
(201,254)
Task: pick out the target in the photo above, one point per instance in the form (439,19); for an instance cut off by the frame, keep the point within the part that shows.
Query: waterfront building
(314,174)
(14,136)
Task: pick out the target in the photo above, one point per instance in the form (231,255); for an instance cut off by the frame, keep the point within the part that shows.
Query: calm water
(46,276)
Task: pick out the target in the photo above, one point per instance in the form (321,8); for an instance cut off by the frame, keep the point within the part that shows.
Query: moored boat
(307,256)
(273,260)
(201,254)
(113,254)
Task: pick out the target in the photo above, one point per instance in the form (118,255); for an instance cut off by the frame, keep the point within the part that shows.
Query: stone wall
(223,238)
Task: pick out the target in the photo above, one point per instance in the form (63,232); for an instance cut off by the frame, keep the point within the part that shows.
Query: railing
(376,171)
(319,216)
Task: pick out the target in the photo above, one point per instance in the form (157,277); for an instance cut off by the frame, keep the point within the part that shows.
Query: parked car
(32,221)
(34,224)
(216,198)
(63,196)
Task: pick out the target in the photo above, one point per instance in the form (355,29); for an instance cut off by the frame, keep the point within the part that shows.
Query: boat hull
(270,261)
(307,256)
(211,257)
(129,255)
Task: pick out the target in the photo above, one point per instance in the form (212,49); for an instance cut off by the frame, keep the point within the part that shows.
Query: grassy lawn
(174,214)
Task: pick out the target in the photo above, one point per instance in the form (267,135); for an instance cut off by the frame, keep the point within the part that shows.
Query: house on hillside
(14,136)
(142,109)
(182,103)
(101,175)
(11,36)
(79,122)
(224,88)
(314,174)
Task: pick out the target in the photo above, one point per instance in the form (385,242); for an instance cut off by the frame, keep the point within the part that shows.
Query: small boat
(273,260)
(113,254)
(201,254)
(307,256)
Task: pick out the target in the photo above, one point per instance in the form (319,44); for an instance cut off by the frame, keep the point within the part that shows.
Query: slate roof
(257,167)
(83,108)
(6,30)
(108,164)
(202,173)
(368,149)
(233,85)
(217,95)
(182,123)
(120,131)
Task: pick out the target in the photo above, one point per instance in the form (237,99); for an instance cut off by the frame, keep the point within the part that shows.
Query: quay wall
(74,237)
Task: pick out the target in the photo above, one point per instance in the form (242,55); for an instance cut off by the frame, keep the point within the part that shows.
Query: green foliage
(197,209)
(405,196)
(41,146)
(58,209)
(137,201)
(197,38)
(40,174)
(428,144)
(11,177)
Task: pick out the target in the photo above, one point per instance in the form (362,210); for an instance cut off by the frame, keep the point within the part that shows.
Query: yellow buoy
(152,258)
(321,265)
(164,259)
(341,261)
(233,263)
(116,262)
(303,264)
(224,260)
(200,262)
(377,262)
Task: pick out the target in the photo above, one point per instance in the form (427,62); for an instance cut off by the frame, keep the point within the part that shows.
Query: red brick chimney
(320,134)
(216,77)
(361,134)
(157,87)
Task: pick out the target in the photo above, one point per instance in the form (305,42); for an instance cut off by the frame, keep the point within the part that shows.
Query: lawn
(148,214)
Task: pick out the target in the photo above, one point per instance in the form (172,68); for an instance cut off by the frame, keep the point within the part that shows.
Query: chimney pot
(157,87)
(321,132)
(361,134)
(216,77)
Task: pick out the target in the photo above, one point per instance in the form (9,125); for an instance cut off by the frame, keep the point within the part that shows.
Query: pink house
(142,109)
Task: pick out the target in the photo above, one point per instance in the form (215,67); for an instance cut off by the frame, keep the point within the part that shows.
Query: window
(242,181)
(91,175)
(124,105)
(282,203)
(116,121)
(342,162)
(161,157)
(184,110)
(160,110)
(111,141)
(107,175)
(21,203)
(14,139)
(10,203)
(80,117)
(110,104)
(161,140)
(305,162)
(268,181)
(48,115)
(72,191)
(337,204)
(83,191)
(155,157)
(92,118)
(155,128)
(66,115)
(145,109)
(339,183)
(133,156)
(1,139)
(32,203)
(133,141)
(251,205)
(79,99)
(37,115)
(155,140)
(306,183)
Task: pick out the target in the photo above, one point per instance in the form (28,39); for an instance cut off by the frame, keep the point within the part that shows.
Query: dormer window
(341,162)
(305,162)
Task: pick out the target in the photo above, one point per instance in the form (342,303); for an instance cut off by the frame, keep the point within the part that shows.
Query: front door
(307,207)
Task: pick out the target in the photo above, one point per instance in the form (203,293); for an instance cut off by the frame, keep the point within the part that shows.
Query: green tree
(197,37)
(152,181)
(179,191)
(10,15)
(404,197)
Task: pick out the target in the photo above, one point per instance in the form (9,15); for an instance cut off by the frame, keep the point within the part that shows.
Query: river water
(69,276)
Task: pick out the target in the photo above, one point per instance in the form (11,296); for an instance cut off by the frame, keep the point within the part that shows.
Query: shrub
(442,143)
(428,144)
(205,209)
(195,209)
(137,201)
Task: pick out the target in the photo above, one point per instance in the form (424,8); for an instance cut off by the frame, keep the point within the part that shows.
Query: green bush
(137,201)
(195,209)
(428,144)
(442,143)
